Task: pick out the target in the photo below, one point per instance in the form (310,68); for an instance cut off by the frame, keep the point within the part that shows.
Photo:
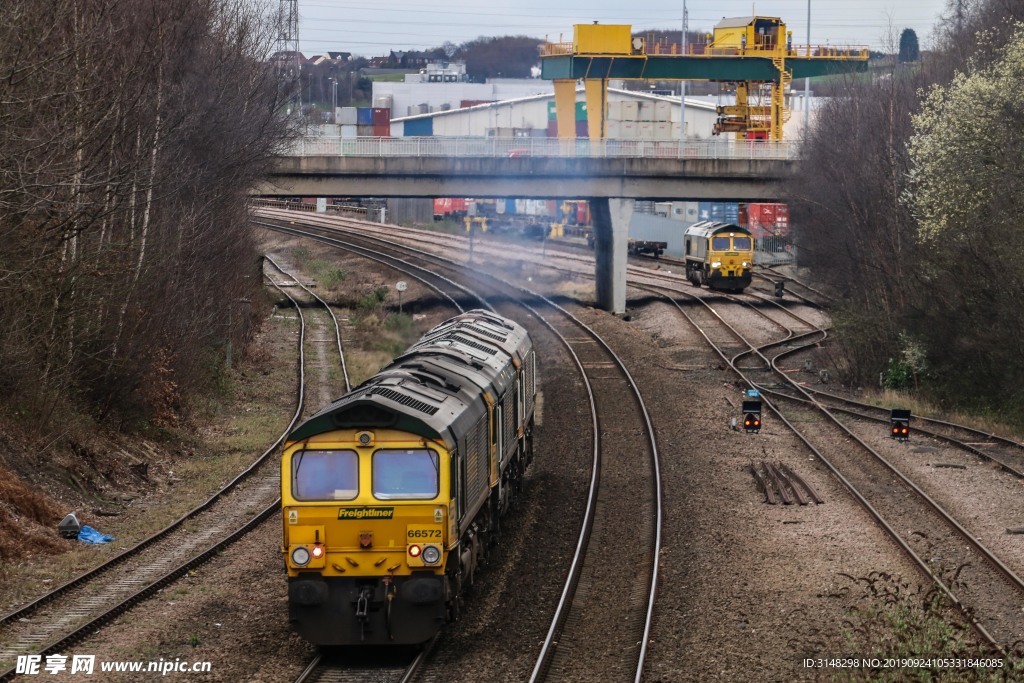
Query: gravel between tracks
(746,590)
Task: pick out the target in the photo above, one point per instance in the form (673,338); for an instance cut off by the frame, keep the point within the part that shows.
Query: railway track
(579,633)
(379,667)
(988,592)
(76,609)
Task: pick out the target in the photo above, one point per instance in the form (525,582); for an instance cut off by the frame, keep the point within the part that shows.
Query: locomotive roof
(709,228)
(433,390)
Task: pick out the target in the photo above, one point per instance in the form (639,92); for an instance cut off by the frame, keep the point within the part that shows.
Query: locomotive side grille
(405,400)
(477,465)
(528,374)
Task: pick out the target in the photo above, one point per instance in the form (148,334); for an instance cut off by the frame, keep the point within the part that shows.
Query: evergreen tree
(909,51)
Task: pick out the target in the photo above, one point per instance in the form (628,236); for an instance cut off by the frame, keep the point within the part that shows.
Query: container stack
(347,117)
(642,120)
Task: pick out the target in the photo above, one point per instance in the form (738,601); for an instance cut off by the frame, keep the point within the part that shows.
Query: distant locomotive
(391,496)
(719,255)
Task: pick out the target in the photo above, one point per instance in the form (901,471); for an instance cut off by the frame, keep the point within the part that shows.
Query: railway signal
(899,420)
(752,411)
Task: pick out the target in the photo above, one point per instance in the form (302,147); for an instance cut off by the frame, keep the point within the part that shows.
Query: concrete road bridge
(611,174)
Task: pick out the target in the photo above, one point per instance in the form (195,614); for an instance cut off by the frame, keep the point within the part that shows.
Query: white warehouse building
(631,115)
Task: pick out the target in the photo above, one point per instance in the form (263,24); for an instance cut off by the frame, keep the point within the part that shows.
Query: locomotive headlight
(746,265)
(414,551)
(431,555)
(716,264)
(300,556)
(318,551)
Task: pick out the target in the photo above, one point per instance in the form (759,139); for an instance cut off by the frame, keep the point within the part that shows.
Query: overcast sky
(370,28)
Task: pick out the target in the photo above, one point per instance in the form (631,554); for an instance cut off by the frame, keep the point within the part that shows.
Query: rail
(540,147)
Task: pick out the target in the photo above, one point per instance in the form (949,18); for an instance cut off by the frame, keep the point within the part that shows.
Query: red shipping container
(582,213)
(382,131)
(381,116)
(768,220)
(552,129)
(582,130)
(472,103)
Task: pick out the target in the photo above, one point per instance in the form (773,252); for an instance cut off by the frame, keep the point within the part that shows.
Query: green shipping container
(581,111)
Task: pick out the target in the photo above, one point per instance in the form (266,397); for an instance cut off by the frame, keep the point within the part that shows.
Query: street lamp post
(807,81)
(334,100)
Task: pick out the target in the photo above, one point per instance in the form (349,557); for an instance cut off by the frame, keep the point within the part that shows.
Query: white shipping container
(347,117)
(383,101)
(662,111)
(615,110)
(349,131)
(662,130)
(675,113)
(613,129)
(675,129)
(688,212)
(645,130)
(646,111)
(630,110)
(629,130)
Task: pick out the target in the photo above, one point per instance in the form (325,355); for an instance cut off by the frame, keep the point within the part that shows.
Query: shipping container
(447,207)
(381,116)
(629,130)
(613,129)
(418,127)
(581,128)
(768,220)
(364,131)
(722,212)
(630,110)
(382,131)
(615,110)
(348,131)
(645,111)
(663,111)
(552,112)
(662,130)
(348,116)
(383,101)
(552,129)
(364,116)
(645,130)
(581,111)
(472,103)
(653,228)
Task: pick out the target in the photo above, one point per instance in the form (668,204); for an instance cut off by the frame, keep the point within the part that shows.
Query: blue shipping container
(364,116)
(424,126)
(722,212)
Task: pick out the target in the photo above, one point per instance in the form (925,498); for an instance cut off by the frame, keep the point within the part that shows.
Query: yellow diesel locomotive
(719,255)
(391,496)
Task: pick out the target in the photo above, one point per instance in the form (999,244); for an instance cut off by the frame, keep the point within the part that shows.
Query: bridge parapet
(457,147)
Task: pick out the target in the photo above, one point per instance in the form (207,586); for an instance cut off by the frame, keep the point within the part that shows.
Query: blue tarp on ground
(90,535)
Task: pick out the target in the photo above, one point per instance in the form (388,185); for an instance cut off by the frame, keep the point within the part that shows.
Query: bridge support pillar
(611,217)
(565,107)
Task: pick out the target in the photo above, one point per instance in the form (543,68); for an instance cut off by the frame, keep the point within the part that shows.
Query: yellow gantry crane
(755,53)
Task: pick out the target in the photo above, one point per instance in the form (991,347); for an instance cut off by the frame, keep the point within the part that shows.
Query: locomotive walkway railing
(540,147)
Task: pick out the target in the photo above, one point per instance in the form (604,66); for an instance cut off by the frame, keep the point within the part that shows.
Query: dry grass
(890,398)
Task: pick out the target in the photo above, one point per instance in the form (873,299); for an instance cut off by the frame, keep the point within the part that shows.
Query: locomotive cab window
(720,243)
(325,475)
(741,243)
(400,474)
